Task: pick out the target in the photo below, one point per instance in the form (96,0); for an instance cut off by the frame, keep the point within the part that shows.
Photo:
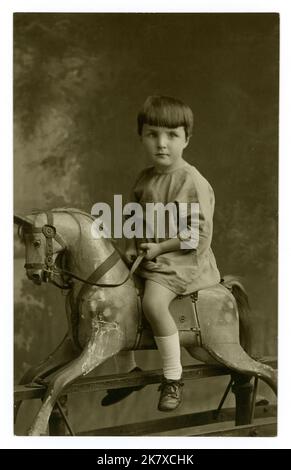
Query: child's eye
(173,134)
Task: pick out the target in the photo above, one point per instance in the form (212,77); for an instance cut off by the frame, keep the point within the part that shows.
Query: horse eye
(36,243)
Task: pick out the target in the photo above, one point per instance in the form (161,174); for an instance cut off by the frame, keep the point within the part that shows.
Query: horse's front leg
(64,353)
(106,340)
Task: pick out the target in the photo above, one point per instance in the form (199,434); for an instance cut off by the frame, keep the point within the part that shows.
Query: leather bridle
(49,267)
(50,233)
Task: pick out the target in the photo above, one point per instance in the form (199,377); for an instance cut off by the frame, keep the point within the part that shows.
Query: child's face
(164,145)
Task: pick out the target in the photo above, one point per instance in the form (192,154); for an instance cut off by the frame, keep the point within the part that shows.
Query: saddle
(182,308)
(214,315)
(210,314)
(190,310)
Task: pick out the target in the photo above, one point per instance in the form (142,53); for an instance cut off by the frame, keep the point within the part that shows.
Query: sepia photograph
(145,183)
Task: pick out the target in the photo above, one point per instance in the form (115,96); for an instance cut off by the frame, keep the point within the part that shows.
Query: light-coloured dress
(181,271)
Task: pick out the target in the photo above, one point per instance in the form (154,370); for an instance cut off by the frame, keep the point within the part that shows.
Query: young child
(165,127)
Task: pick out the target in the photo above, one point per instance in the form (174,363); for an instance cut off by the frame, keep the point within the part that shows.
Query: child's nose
(162,141)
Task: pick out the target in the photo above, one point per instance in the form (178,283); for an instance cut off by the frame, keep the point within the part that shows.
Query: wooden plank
(264,427)
(94,384)
(157,426)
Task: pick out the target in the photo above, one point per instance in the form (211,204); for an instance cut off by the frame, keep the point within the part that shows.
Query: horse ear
(21,219)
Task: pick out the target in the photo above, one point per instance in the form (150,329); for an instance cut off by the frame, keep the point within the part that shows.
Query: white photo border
(7,439)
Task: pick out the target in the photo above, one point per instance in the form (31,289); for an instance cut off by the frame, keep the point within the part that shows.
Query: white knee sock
(125,361)
(169,348)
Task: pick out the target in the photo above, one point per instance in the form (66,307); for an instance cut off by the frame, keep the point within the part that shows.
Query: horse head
(42,244)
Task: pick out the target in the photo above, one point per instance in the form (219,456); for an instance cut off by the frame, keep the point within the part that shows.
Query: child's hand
(151,249)
(130,254)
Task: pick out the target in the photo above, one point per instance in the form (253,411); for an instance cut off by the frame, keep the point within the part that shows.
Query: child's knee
(149,305)
(153,307)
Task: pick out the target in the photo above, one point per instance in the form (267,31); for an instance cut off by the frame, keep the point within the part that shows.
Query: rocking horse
(104,310)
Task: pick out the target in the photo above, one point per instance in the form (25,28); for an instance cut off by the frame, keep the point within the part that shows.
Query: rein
(103,269)
(50,233)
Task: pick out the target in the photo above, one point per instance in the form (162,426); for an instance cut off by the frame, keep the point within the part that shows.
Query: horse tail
(238,291)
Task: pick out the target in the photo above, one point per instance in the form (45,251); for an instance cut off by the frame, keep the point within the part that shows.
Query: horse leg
(57,425)
(235,358)
(242,389)
(105,341)
(63,354)
(201,354)
(220,318)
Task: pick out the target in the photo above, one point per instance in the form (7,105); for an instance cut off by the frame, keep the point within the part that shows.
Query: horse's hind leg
(106,340)
(233,356)
(64,353)
(242,387)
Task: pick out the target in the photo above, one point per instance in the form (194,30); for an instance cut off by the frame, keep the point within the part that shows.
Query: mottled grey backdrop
(79,80)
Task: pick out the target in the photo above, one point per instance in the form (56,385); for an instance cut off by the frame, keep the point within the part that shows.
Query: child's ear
(187,141)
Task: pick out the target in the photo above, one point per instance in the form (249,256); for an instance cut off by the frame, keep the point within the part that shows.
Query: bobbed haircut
(165,111)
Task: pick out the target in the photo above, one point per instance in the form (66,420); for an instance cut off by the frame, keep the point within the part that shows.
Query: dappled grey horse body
(103,314)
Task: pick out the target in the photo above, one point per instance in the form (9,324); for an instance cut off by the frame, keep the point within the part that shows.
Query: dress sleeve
(132,194)
(197,190)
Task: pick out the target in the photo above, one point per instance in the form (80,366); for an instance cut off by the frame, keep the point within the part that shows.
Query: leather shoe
(171,394)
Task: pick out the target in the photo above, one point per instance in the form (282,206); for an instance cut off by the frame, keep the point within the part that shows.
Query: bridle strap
(50,233)
(50,218)
(34,265)
(103,269)
(100,271)
(31,229)
(60,240)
